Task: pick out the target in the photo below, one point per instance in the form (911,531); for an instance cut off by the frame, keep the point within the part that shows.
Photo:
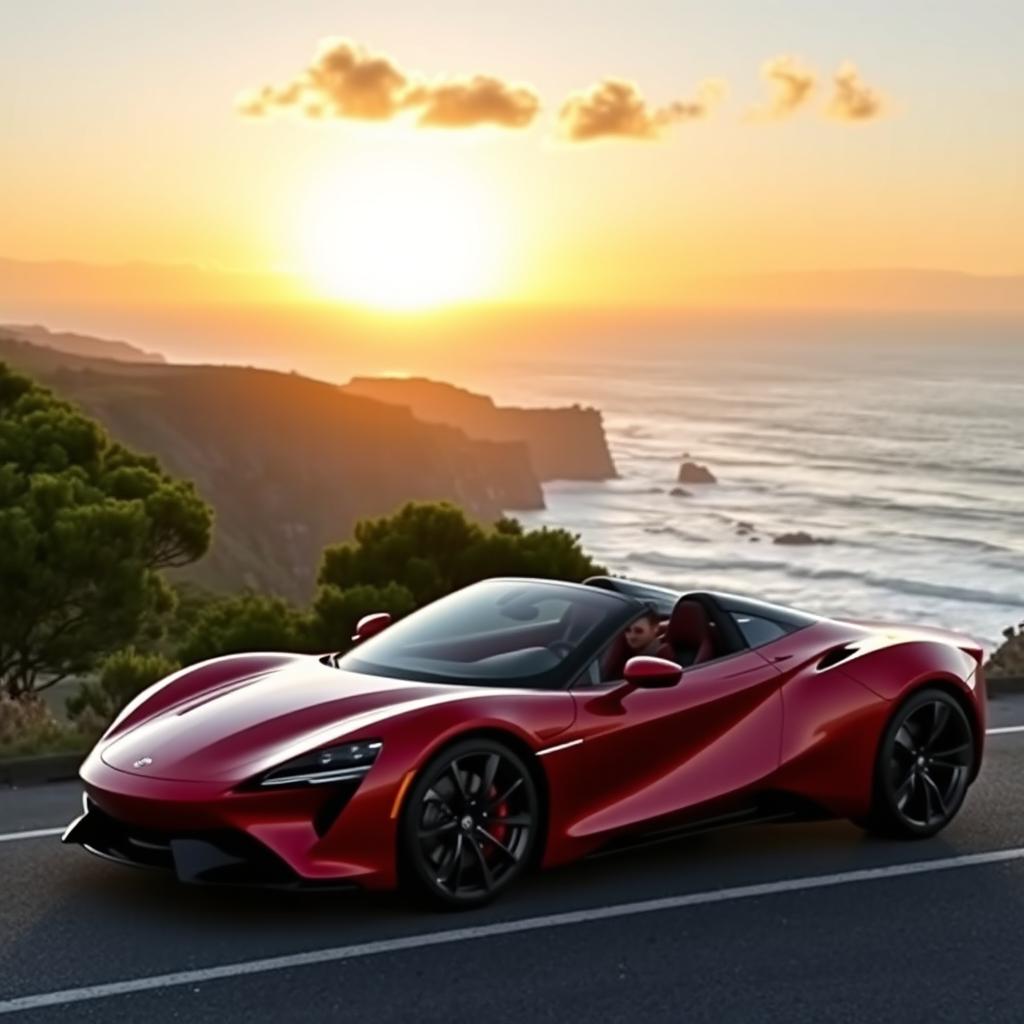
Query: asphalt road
(768,923)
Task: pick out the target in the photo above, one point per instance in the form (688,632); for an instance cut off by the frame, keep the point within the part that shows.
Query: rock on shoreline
(1007,660)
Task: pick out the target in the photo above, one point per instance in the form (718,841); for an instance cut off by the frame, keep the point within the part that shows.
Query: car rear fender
(901,666)
(895,672)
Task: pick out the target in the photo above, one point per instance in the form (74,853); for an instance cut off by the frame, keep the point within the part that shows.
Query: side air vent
(330,810)
(836,655)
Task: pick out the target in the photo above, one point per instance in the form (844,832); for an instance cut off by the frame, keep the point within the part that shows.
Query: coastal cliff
(84,345)
(564,443)
(289,464)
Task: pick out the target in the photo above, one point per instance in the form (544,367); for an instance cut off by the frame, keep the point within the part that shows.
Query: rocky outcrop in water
(695,473)
(564,443)
(799,538)
(1007,661)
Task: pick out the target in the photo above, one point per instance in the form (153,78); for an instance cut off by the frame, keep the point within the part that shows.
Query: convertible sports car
(505,725)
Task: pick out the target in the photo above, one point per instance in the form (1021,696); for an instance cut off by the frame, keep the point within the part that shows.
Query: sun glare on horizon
(401,235)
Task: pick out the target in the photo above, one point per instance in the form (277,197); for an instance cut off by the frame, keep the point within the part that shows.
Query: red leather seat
(688,639)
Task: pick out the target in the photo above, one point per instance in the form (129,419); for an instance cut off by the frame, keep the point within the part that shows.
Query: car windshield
(520,633)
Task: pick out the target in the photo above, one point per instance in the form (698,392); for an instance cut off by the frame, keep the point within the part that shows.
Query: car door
(648,755)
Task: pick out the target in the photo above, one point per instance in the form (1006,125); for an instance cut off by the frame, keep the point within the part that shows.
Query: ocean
(905,455)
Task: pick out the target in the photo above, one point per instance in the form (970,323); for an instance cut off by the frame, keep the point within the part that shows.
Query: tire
(923,767)
(469,826)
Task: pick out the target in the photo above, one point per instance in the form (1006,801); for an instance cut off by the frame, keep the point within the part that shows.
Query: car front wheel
(470,824)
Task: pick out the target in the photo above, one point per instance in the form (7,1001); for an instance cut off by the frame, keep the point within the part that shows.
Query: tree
(191,600)
(85,527)
(244,622)
(336,611)
(123,676)
(432,549)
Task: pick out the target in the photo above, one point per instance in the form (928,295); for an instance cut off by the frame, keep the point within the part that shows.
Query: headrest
(688,626)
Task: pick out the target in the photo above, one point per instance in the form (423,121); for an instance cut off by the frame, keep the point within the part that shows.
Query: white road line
(65,997)
(35,833)
(39,833)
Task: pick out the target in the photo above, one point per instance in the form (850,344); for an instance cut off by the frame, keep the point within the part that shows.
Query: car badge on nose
(143,762)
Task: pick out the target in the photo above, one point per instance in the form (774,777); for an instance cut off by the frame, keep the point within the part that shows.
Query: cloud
(791,84)
(345,80)
(852,99)
(481,99)
(614,108)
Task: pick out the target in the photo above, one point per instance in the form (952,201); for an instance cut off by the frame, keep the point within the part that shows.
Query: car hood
(244,726)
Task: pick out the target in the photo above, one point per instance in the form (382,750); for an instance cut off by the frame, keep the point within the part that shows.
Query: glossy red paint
(612,760)
(651,673)
(371,625)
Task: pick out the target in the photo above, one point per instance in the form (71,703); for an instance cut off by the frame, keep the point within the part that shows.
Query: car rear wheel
(469,825)
(924,766)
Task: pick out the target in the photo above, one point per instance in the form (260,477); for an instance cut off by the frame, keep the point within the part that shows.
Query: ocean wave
(631,430)
(665,529)
(866,462)
(921,588)
(868,501)
(662,561)
(969,543)
(896,584)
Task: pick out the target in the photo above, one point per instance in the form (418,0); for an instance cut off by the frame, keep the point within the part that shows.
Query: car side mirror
(371,625)
(646,673)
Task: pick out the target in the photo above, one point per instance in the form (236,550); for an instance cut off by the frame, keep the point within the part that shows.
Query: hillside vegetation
(86,525)
(289,464)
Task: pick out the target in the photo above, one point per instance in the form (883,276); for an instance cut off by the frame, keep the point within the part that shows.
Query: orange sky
(124,141)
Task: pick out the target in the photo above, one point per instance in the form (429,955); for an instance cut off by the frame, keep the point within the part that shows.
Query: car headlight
(330,764)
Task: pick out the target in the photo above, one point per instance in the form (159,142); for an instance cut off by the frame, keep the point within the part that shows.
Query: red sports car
(506,725)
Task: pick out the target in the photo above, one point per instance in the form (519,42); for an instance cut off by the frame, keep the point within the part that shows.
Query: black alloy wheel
(924,766)
(470,824)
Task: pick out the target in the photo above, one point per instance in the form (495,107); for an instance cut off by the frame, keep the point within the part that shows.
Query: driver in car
(642,635)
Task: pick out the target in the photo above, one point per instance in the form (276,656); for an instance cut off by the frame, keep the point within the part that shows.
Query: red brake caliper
(500,832)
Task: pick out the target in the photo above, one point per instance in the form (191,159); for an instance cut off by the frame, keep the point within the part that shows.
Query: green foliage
(244,622)
(336,611)
(28,726)
(190,602)
(395,564)
(123,676)
(85,527)
(432,549)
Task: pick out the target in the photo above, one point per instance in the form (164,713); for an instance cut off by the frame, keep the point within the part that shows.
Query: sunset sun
(394,235)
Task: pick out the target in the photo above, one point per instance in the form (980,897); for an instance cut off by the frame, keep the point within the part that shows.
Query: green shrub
(336,612)
(123,676)
(431,549)
(243,622)
(28,726)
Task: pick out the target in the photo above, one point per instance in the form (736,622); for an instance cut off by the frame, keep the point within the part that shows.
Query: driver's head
(642,634)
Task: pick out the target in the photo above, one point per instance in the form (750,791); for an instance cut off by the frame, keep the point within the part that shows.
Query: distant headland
(290,463)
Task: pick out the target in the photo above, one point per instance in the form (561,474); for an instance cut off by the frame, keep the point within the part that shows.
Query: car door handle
(782,657)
